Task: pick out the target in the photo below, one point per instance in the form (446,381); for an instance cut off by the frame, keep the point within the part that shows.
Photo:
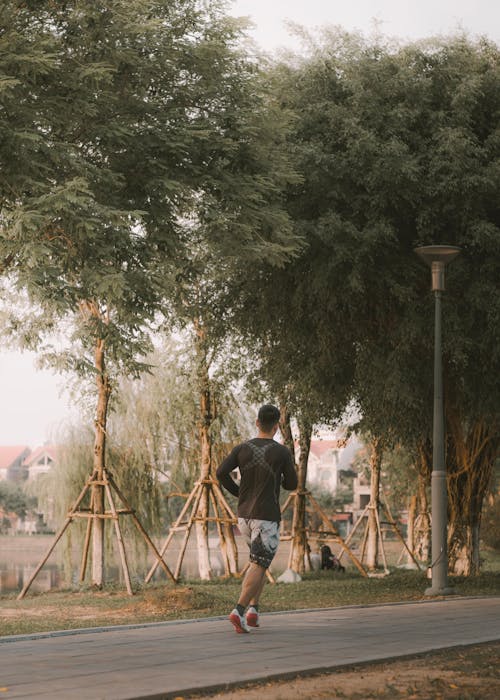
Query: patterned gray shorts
(262,536)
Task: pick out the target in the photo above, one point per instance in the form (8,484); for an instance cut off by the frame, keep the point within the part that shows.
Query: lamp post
(437,257)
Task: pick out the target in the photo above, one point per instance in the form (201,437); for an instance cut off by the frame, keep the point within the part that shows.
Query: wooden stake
(228,527)
(188,531)
(390,521)
(58,537)
(222,538)
(107,481)
(399,535)
(269,575)
(381,541)
(86,544)
(121,548)
(365,539)
(343,544)
(222,499)
(355,527)
(223,517)
(171,533)
(138,524)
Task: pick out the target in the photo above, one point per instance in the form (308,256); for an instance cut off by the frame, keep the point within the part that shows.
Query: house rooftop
(319,447)
(9,454)
(50,450)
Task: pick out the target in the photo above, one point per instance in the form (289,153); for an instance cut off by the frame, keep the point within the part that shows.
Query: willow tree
(150,119)
(155,432)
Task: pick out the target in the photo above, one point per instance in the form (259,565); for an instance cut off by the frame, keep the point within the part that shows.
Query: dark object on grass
(329,560)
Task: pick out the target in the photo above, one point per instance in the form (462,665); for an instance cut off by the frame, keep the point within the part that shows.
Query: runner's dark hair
(268,416)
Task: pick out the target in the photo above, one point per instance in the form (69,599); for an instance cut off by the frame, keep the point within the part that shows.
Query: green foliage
(331,502)
(13,499)
(398,478)
(57,489)
(144,115)
(153,128)
(397,147)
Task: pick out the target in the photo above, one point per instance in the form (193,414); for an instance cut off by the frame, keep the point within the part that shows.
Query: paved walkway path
(169,659)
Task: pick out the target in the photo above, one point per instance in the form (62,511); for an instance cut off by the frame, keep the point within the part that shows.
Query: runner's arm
(223,473)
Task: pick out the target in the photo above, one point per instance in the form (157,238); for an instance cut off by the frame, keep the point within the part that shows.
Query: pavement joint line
(121,628)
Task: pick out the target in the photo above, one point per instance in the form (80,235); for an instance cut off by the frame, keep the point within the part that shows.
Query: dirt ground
(464,673)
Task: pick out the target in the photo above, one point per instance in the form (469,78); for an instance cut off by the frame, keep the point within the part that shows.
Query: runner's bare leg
(252,585)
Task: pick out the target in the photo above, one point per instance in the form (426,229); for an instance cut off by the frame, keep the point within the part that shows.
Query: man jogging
(264,466)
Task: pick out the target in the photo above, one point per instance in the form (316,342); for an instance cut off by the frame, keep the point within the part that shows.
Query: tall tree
(152,118)
(397,147)
(451,142)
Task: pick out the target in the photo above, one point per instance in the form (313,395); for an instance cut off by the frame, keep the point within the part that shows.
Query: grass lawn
(72,609)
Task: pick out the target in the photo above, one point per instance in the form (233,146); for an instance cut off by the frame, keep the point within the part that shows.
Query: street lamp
(437,257)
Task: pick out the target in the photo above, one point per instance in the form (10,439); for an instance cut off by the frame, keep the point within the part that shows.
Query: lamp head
(437,257)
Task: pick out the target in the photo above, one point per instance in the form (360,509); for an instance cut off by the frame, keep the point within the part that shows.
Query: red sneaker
(238,622)
(252,617)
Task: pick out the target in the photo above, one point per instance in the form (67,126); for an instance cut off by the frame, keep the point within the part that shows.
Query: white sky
(31,406)
(406,19)
(33,403)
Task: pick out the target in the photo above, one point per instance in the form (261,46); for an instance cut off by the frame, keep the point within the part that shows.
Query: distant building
(322,466)
(19,464)
(12,462)
(361,484)
(361,489)
(330,457)
(40,461)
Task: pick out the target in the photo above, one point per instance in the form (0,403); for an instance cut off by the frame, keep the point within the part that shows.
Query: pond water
(21,554)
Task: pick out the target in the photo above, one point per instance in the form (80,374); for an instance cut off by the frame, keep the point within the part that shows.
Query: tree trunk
(207,414)
(372,550)
(423,535)
(103,392)
(410,535)
(475,539)
(286,429)
(288,441)
(233,553)
(204,566)
(205,569)
(299,535)
(471,455)
(231,549)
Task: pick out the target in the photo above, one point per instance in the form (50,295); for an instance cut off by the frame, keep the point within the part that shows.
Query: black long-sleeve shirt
(264,466)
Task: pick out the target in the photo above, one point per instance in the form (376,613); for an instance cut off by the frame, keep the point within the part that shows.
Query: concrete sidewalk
(171,659)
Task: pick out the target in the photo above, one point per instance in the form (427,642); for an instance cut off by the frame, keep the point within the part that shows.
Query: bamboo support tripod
(419,530)
(390,521)
(224,519)
(328,533)
(114,514)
